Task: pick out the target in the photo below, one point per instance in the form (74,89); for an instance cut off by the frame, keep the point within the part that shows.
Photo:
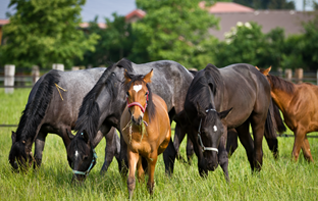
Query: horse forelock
(35,110)
(281,84)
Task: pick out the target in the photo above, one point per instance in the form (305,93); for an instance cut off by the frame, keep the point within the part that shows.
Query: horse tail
(270,134)
(39,99)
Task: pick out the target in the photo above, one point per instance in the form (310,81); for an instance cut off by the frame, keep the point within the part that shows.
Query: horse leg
(223,155)
(306,150)
(298,143)
(123,164)
(190,150)
(247,141)
(169,156)
(39,147)
(178,138)
(258,134)
(151,171)
(111,149)
(273,146)
(133,159)
(231,143)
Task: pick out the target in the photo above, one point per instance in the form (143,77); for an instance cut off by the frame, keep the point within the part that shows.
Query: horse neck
(281,98)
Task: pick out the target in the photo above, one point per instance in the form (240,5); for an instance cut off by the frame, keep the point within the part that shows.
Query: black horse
(50,109)
(103,105)
(235,96)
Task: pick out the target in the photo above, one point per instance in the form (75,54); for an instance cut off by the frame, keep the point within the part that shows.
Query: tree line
(44,32)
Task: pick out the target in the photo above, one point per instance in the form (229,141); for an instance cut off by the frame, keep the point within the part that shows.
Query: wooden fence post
(299,75)
(75,68)
(58,67)
(35,74)
(9,71)
(288,74)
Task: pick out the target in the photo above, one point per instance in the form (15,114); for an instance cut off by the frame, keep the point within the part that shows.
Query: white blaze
(137,87)
(215,128)
(76,153)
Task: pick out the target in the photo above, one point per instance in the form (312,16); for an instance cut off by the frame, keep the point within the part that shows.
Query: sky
(105,8)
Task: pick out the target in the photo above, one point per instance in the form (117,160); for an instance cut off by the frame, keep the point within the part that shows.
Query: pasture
(278,180)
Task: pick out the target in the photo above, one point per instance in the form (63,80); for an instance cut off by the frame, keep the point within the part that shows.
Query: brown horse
(298,103)
(145,127)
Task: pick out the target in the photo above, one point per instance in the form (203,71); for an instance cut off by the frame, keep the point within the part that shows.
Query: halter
(90,167)
(199,135)
(143,109)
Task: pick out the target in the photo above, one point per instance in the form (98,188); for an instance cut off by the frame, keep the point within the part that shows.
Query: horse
(103,105)
(217,100)
(52,107)
(145,127)
(298,103)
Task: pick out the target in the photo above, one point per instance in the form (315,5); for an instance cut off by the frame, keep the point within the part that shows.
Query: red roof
(226,7)
(3,22)
(138,13)
(86,24)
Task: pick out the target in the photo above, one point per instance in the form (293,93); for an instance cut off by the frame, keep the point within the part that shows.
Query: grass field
(278,180)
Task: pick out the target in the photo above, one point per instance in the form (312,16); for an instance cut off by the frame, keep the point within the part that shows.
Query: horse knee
(131,184)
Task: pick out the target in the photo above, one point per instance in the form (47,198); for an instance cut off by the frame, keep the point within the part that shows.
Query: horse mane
(205,80)
(281,84)
(151,106)
(35,110)
(89,113)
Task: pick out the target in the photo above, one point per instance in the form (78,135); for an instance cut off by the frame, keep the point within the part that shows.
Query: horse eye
(127,94)
(85,157)
(146,93)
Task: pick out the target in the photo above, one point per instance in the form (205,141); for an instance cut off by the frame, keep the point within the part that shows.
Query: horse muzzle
(137,121)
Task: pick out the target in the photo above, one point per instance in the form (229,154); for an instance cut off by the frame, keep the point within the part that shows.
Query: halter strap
(90,167)
(143,109)
(200,139)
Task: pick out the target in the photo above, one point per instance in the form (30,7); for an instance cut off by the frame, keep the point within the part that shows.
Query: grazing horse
(235,96)
(103,105)
(145,127)
(298,103)
(52,107)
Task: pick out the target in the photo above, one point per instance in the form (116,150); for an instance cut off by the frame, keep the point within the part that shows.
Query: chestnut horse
(298,103)
(145,127)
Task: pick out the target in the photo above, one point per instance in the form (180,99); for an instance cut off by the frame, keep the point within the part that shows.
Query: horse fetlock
(151,186)
(131,183)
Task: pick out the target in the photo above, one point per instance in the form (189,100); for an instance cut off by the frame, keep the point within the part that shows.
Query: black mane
(281,84)
(151,106)
(35,109)
(89,113)
(204,81)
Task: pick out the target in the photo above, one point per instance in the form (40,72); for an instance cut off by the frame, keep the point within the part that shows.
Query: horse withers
(298,103)
(242,93)
(145,127)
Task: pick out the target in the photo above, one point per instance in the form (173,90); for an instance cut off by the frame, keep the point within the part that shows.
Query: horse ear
(257,67)
(148,77)
(224,113)
(13,137)
(127,77)
(201,112)
(86,137)
(267,71)
(70,135)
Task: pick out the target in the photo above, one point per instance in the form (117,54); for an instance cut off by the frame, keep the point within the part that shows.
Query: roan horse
(298,103)
(145,127)
(235,96)
(51,109)
(103,105)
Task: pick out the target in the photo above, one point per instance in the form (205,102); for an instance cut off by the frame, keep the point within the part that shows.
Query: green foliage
(43,32)
(278,180)
(115,42)
(174,29)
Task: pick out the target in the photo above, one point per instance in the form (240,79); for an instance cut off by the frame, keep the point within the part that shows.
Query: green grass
(278,180)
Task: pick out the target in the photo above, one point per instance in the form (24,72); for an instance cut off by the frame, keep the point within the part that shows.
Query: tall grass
(278,180)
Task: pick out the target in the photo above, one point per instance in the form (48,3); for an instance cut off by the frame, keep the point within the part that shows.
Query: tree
(115,42)
(44,32)
(173,29)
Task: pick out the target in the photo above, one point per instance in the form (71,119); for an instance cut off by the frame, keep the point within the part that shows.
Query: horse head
(138,94)
(209,133)
(19,157)
(81,156)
